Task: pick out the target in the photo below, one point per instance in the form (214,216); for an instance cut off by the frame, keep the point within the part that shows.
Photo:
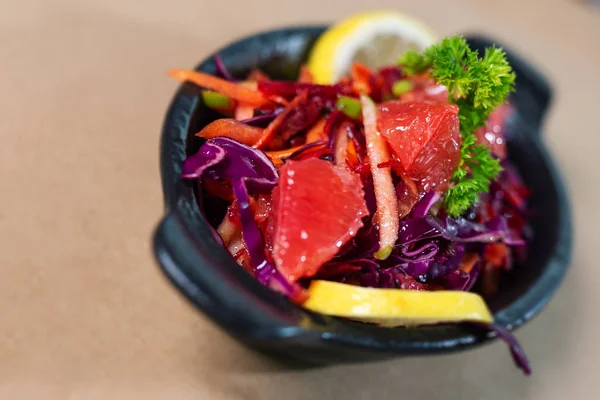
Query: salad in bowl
(379,192)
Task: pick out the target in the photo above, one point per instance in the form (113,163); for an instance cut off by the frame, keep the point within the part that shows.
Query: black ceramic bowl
(206,274)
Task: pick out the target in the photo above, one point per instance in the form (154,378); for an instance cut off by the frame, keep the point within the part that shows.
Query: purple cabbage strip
(207,157)
(358,138)
(248,170)
(264,119)
(252,237)
(473,275)
(456,280)
(421,253)
(332,122)
(265,272)
(458,230)
(413,230)
(369,188)
(416,269)
(447,264)
(239,161)
(375,276)
(424,205)
(306,147)
(494,230)
(518,355)
(221,69)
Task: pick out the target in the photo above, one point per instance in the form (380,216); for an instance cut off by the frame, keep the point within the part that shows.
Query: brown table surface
(84,311)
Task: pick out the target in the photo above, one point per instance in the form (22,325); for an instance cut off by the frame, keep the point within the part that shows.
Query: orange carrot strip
(360,78)
(385,193)
(468,262)
(305,75)
(276,123)
(279,155)
(316,132)
(496,253)
(231,128)
(351,154)
(252,83)
(232,90)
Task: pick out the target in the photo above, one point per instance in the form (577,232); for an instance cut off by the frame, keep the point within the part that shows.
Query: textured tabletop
(84,311)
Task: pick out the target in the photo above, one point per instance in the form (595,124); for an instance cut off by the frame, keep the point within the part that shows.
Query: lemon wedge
(374,39)
(395,307)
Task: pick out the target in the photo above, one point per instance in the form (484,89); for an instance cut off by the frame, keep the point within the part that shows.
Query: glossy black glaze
(205,273)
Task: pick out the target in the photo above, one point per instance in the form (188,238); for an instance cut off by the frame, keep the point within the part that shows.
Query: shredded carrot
(279,155)
(351,153)
(468,262)
(278,121)
(317,131)
(232,90)
(496,253)
(229,127)
(305,75)
(243,111)
(360,78)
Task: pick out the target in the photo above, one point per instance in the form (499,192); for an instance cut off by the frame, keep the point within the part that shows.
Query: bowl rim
(176,192)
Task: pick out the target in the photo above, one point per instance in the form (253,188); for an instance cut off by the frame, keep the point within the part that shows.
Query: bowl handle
(199,273)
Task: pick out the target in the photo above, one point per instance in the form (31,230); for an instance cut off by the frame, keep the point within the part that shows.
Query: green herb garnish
(477,85)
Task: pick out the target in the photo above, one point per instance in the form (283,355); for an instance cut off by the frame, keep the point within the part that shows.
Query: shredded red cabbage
(222,70)
(298,154)
(518,355)
(332,122)
(424,205)
(248,170)
(263,119)
(433,251)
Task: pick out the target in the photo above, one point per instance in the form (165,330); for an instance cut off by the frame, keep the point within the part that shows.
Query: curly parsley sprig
(477,85)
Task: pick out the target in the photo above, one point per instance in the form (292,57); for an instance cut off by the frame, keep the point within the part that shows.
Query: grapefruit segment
(317,208)
(492,134)
(425,138)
